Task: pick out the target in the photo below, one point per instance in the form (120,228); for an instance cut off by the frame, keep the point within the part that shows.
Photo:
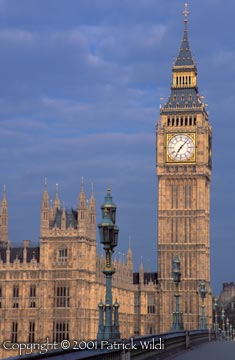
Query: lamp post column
(202,291)
(227,328)
(223,317)
(216,316)
(177,324)
(109,238)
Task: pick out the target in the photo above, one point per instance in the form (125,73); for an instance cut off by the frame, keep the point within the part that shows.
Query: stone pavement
(215,350)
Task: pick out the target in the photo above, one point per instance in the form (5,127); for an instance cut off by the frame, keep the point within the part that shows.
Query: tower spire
(184,58)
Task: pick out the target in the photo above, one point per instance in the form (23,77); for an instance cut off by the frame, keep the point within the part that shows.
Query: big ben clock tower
(184,170)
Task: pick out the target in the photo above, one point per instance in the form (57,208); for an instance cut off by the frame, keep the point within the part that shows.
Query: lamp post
(216,315)
(177,315)
(202,291)
(230,332)
(223,317)
(227,328)
(108,329)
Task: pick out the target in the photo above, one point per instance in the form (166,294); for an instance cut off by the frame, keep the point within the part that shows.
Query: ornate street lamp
(216,315)
(177,315)
(108,329)
(230,332)
(227,327)
(223,317)
(202,291)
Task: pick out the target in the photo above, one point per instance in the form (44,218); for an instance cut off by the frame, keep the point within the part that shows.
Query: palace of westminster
(53,290)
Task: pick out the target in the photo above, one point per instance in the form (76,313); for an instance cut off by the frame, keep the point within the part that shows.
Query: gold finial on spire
(186,12)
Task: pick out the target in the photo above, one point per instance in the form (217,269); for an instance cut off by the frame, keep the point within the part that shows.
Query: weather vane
(185,12)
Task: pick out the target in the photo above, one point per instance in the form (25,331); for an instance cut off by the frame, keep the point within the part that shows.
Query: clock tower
(184,170)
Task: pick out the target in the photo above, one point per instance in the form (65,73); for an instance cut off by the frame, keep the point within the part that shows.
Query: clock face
(181,147)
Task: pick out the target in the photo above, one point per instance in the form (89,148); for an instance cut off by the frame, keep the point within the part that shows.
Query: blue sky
(80,83)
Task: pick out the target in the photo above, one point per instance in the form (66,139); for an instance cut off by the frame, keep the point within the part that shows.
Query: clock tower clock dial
(181,148)
(184,154)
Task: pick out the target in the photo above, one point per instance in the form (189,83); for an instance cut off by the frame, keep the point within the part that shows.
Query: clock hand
(181,147)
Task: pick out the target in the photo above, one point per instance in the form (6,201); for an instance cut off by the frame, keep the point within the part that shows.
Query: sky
(80,88)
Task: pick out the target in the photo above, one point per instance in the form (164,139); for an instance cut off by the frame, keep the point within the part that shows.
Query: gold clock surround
(170,136)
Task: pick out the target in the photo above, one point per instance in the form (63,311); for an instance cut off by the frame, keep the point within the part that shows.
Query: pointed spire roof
(82,194)
(45,195)
(57,199)
(92,197)
(184,58)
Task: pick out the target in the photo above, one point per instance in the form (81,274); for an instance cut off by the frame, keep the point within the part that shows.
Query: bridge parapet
(159,346)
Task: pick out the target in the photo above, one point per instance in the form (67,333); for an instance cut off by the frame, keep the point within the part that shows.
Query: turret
(57,199)
(92,214)
(141,272)
(129,258)
(63,219)
(4,220)
(82,209)
(45,210)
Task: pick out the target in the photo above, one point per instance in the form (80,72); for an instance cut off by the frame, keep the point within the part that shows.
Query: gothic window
(182,97)
(168,121)
(186,121)
(32,296)
(191,303)
(15,296)
(60,331)
(151,304)
(61,296)
(185,266)
(195,120)
(150,329)
(136,329)
(190,262)
(14,332)
(172,230)
(174,196)
(176,230)
(136,304)
(186,303)
(63,255)
(31,331)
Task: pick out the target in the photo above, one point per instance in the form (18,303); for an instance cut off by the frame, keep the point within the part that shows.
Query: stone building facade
(53,290)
